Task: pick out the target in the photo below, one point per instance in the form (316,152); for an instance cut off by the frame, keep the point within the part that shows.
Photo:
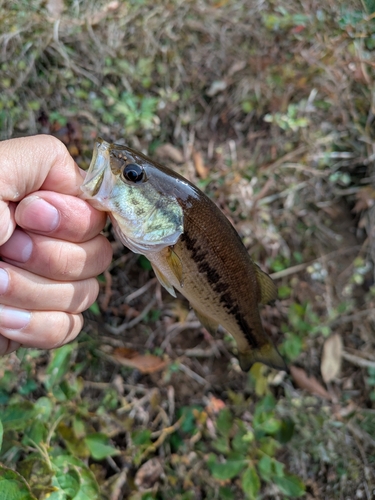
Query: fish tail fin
(267,354)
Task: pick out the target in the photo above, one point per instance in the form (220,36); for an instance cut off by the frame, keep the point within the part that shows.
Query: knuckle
(62,263)
(67,327)
(84,296)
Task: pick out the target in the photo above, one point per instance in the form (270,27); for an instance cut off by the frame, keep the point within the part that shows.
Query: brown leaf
(148,474)
(365,199)
(214,405)
(55,8)
(199,165)
(145,363)
(169,152)
(331,358)
(310,384)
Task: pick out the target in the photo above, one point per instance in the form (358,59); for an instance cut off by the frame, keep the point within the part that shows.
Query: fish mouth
(99,179)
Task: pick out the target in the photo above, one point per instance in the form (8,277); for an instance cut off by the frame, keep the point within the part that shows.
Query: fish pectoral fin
(210,325)
(164,281)
(268,355)
(175,264)
(267,288)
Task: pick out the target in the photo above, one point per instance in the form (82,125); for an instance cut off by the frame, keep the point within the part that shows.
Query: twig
(350,317)
(118,485)
(198,353)
(177,328)
(285,158)
(125,326)
(192,374)
(356,360)
(301,267)
(140,291)
(163,436)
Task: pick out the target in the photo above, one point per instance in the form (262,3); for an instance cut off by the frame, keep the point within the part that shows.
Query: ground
(268,106)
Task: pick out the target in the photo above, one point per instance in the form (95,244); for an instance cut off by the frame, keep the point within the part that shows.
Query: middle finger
(57,259)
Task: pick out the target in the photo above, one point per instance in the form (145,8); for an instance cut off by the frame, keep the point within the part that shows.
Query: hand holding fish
(50,246)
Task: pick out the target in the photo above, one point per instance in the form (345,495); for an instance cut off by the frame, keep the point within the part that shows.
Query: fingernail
(38,215)
(13,319)
(18,247)
(4,281)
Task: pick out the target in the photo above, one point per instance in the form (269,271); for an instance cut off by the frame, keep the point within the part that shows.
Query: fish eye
(133,173)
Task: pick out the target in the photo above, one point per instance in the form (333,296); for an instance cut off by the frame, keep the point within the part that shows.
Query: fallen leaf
(55,8)
(214,405)
(365,199)
(331,358)
(145,363)
(216,87)
(148,474)
(310,384)
(199,165)
(169,152)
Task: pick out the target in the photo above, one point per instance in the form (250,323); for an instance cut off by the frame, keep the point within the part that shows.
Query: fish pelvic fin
(164,281)
(267,287)
(175,264)
(210,325)
(267,354)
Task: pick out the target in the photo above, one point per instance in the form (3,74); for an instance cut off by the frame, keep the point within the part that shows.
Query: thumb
(28,164)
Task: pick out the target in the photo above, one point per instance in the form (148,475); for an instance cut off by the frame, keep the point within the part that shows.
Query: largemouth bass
(192,246)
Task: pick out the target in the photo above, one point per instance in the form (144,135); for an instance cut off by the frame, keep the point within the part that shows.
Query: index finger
(36,162)
(75,220)
(28,164)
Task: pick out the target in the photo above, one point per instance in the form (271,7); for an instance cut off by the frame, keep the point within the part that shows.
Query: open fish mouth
(99,179)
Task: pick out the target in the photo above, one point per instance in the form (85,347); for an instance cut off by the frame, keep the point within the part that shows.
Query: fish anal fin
(268,355)
(267,288)
(175,264)
(164,281)
(210,325)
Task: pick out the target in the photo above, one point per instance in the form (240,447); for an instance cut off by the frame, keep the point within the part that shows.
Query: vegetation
(269,107)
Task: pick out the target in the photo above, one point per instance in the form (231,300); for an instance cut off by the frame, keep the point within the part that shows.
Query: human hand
(47,268)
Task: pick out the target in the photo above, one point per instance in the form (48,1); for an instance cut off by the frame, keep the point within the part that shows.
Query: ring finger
(23,289)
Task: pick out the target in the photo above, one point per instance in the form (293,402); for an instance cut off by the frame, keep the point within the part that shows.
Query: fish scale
(191,245)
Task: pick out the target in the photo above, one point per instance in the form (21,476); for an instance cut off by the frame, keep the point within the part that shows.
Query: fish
(190,243)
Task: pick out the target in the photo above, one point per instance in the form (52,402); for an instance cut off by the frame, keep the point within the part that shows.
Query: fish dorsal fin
(267,288)
(164,281)
(267,354)
(210,325)
(175,264)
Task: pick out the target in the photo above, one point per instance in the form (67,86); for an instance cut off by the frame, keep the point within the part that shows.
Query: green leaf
(44,407)
(66,465)
(141,437)
(250,482)
(94,308)
(144,263)
(224,422)
(290,485)
(369,6)
(13,486)
(226,493)
(265,467)
(221,444)
(285,432)
(17,416)
(99,446)
(58,366)
(1,434)
(227,470)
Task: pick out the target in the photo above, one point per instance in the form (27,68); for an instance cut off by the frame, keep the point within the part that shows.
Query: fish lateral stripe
(213,277)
